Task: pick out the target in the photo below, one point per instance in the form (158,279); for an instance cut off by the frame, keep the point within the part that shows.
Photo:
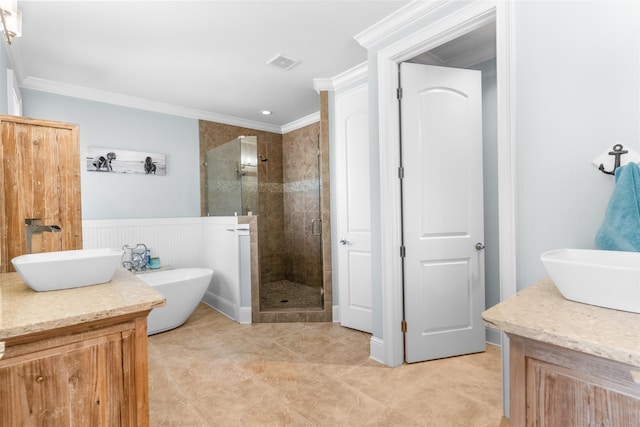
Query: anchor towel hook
(618,150)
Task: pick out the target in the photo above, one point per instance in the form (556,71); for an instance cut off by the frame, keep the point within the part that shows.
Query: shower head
(262,158)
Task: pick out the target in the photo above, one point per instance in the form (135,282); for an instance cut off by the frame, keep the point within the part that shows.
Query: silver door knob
(479,246)
(344,242)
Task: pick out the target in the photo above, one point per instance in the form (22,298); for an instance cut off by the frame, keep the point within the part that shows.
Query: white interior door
(353,209)
(442,211)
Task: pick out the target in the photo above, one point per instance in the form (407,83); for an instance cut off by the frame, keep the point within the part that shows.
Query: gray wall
(577,91)
(490,181)
(115,196)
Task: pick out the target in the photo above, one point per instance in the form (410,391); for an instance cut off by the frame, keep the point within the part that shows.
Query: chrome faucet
(34,227)
(138,257)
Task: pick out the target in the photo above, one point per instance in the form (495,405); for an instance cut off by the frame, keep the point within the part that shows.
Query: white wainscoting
(208,242)
(177,241)
(221,249)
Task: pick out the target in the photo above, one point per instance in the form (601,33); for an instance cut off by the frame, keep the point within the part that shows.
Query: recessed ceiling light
(266,112)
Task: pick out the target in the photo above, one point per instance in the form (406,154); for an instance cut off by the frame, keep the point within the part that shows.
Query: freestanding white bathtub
(183,289)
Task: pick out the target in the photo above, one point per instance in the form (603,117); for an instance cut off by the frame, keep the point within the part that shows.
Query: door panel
(448,281)
(359,268)
(353,209)
(442,211)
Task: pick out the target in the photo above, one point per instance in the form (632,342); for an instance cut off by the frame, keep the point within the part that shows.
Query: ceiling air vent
(284,62)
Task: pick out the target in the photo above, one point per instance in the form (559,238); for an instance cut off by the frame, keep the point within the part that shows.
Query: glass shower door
(232,178)
(224,184)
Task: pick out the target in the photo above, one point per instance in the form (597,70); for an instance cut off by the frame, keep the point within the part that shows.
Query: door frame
(454,25)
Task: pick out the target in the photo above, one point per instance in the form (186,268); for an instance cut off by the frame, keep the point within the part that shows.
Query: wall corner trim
(377,351)
(336,314)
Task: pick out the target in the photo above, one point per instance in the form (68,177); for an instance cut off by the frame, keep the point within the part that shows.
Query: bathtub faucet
(138,257)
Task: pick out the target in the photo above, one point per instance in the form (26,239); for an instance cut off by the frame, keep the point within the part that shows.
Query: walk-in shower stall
(300,286)
(283,188)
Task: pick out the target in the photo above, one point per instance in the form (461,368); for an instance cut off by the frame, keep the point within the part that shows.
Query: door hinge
(403,326)
(401,172)
(403,251)
(399,93)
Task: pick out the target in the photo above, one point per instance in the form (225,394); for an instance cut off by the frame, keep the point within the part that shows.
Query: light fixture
(266,112)
(11,19)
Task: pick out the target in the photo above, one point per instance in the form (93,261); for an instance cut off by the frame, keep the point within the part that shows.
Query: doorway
(426,37)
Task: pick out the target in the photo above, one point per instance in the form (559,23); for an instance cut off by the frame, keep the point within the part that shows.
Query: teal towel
(620,230)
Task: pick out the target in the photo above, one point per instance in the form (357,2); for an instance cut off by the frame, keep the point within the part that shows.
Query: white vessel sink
(608,279)
(50,271)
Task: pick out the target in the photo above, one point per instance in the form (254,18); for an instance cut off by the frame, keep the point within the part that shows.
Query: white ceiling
(204,59)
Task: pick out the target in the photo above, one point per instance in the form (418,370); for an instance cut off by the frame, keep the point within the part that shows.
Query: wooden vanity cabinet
(91,374)
(555,386)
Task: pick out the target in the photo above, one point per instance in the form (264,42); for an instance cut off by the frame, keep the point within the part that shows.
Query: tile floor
(215,372)
(287,295)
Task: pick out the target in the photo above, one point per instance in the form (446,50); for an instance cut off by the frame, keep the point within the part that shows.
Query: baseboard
(244,316)
(336,313)
(220,304)
(376,349)
(493,337)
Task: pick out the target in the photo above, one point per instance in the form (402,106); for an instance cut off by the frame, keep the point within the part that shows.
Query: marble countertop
(541,313)
(24,311)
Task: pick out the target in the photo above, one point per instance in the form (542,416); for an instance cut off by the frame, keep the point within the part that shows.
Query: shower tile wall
(302,228)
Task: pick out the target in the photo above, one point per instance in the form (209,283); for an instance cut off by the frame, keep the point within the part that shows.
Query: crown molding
(300,123)
(74,91)
(352,75)
(403,17)
(323,84)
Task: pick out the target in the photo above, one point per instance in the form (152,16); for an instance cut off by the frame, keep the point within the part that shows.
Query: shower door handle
(316,227)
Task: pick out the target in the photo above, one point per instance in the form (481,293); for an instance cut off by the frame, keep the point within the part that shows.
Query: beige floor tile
(389,385)
(226,405)
(279,415)
(440,407)
(489,360)
(315,347)
(213,371)
(338,404)
(473,382)
(168,406)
